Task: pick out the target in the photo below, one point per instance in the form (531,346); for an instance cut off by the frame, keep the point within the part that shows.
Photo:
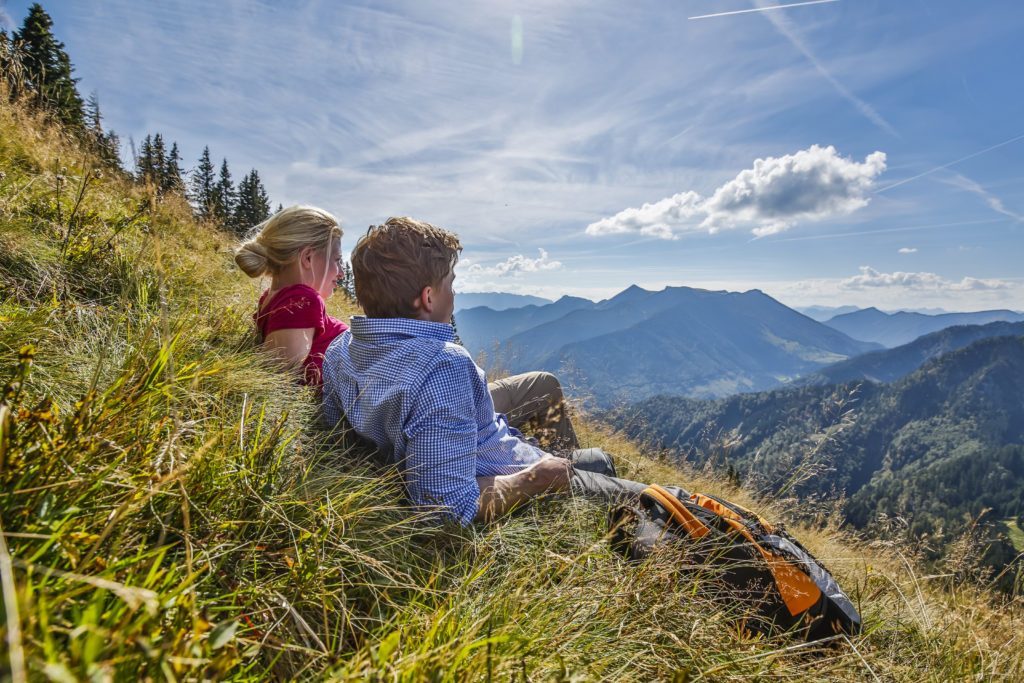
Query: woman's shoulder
(287,296)
(294,306)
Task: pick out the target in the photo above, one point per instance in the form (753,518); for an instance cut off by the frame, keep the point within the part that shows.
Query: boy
(403,382)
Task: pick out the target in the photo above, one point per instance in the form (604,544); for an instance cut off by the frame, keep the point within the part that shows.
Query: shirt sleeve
(440,462)
(299,310)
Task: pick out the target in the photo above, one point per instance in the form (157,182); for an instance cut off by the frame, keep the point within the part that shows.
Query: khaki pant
(536,398)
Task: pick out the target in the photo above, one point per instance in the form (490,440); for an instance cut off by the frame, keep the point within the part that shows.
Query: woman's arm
(292,345)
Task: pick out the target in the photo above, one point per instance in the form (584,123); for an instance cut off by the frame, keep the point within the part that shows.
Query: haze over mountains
(640,343)
(890,365)
(895,329)
(498,301)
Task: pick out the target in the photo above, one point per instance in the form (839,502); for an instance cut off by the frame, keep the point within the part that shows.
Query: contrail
(763,9)
(840,235)
(952,163)
(783,26)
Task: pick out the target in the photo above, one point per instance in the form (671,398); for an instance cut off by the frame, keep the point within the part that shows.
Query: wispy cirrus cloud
(770,197)
(870,278)
(908,250)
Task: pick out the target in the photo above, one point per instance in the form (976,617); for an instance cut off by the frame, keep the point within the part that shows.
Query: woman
(300,248)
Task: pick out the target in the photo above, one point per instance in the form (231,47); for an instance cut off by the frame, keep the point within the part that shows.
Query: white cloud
(871,278)
(810,185)
(660,219)
(908,250)
(514,266)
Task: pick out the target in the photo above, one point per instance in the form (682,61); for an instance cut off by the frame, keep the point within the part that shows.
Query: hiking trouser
(594,476)
(536,397)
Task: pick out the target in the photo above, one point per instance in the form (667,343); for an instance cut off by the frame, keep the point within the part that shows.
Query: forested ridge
(941,449)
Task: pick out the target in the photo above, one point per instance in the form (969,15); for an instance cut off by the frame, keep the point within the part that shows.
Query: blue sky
(855,151)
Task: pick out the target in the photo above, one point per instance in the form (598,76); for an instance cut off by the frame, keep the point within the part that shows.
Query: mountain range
(895,329)
(937,448)
(640,343)
(823,313)
(498,301)
(889,365)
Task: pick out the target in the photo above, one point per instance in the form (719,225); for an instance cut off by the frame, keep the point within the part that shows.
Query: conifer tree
(48,69)
(93,119)
(224,197)
(171,181)
(280,207)
(105,144)
(159,161)
(145,167)
(203,187)
(347,282)
(253,205)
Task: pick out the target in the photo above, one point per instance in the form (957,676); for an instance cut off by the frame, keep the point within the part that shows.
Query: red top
(300,307)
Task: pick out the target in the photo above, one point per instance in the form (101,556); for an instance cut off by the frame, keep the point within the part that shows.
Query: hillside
(170,512)
(892,364)
(938,448)
(680,341)
(902,327)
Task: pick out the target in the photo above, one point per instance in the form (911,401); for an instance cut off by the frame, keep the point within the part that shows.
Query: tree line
(37,69)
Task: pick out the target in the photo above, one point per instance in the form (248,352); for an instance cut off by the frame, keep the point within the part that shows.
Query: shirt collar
(393,329)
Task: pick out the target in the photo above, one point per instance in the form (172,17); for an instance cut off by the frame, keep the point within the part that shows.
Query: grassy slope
(169,511)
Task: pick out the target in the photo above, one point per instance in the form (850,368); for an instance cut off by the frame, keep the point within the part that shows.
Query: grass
(1016,535)
(169,509)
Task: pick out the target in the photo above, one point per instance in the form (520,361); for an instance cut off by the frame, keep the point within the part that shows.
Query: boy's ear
(424,303)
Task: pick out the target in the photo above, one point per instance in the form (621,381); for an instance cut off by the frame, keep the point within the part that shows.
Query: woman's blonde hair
(276,242)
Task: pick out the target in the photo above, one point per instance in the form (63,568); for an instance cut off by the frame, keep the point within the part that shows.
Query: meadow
(171,510)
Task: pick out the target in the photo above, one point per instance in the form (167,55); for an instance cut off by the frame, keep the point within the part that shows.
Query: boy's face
(444,299)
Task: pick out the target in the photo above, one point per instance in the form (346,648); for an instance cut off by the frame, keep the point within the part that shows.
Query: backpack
(757,562)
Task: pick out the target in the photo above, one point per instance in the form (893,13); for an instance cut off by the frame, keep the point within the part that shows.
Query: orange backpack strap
(798,590)
(686,519)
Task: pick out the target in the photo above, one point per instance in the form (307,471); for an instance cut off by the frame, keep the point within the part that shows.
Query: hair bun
(252,258)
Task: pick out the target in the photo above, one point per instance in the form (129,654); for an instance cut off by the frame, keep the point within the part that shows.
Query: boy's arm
(440,465)
(500,494)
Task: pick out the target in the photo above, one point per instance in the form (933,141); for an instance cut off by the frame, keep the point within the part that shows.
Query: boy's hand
(500,494)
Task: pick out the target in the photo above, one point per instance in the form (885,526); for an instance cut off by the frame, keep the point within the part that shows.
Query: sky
(865,152)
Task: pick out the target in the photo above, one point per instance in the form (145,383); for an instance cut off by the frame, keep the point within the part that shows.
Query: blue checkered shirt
(407,386)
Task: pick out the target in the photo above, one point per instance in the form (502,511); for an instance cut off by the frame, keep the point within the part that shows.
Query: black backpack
(758,562)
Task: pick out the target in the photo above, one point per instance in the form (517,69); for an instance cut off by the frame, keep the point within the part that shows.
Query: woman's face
(327,267)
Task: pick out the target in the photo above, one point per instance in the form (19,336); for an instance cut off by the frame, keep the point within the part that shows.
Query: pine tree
(48,69)
(280,207)
(93,118)
(172,181)
(347,282)
(145,168)
(203,187)
(224,197)
(253,205)
(159,161)
(106,144)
